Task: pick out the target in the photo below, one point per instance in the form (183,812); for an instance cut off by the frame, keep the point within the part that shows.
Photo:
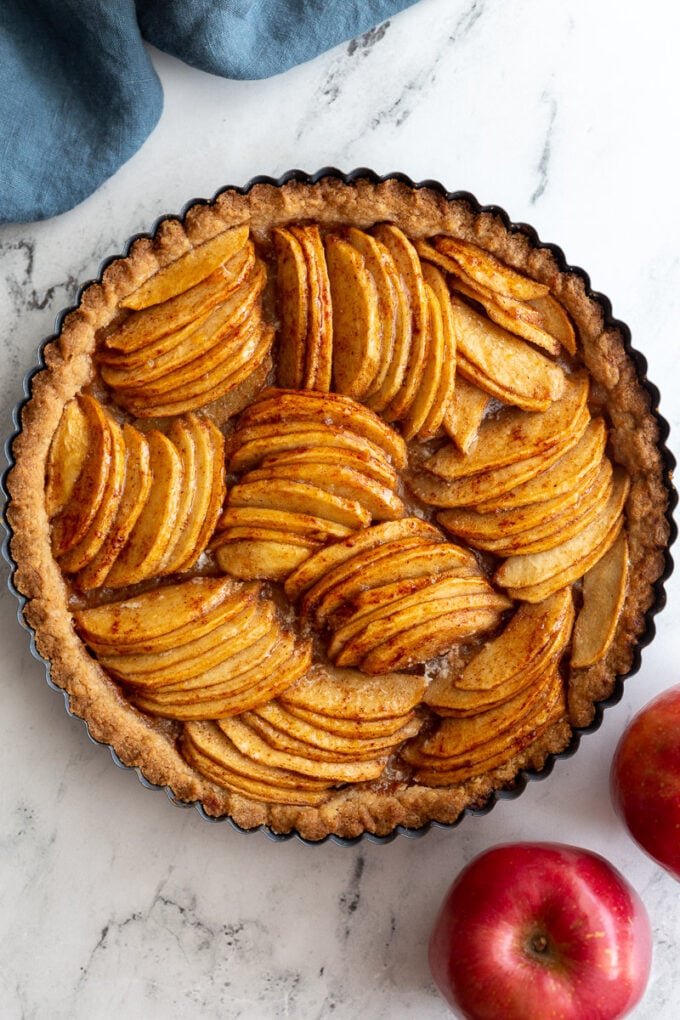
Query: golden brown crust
(151,745)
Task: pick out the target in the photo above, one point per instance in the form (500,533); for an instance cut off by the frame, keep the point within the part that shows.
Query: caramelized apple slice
(89,545)
(516,319)
(252,444)
(604,592)
(361,729)
(319,339)
(556,321)
(349,694)
(188,270)
(356,325)
(514,435)
(138,336)
(262,553)
(317,528)
(465,413)
(66,457)
(70,525)
(486,269)
(378,468)
(293,304)
(447,375)
(300,498)
(380,265)
(143,553)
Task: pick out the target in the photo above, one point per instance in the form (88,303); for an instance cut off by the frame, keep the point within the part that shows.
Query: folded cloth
(79,94)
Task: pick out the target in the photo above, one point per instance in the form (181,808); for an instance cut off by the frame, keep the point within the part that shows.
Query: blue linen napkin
(79,94)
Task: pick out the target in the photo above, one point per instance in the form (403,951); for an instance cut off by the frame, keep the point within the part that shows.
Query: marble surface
(112,901)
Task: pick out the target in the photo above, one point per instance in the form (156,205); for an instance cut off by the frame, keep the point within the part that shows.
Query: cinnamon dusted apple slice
(519,572)
(447,375)
(143,553)
(520,319)
(431,638)
(411,563)
(211,752)
(499,750)
(556,321)
(425,396)
(380,501)
(238,692)
(349,694)
(488,270)
(504,365)
(362,729)
(136,487)
(486,485)
(247,741)
(459,593)
(557,529)
(480,527)
(319,339)
(178,349)
(293,306)
(141,331)
(465,413)
(333,556)
(376,467)
(456,741)
(575,469)
(300,498)
(284,728)
(89,545)
(280,740)
(447,699)
(317,528)
(391,300)
(604,592)
(250,445)
(216,383)
(346,569)
(66,457)
(188,270)
(391,373)
(409,269)
(280,406)
(532,630)
(250,553)
(137,622)
(71,523)
(205,499)
(356,325)
(514,435)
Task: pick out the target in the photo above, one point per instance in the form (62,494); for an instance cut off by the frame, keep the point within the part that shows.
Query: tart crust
(151,744)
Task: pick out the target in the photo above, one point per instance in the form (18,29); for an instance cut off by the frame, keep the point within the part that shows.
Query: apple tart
(339,505)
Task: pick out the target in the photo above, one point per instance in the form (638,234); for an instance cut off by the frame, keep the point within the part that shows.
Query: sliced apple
(66,457)
(556,321)
(141,331)
(514,435)
(377,468)
(143,553)
(490,271)
(361,729)
(447,376)
(465,413)
(319,339)
(300,498)
(429,639)
(71,524)
(289,725)
(134,495)
(576,468)
(409,269)
(503,364)
(271,555)
(317,528)
(334,409)
(335,555)
(517,319)
(604,593)
(293,304)
(380,265)
(525,571)
(89,545)
(349,694)
(189,269)
(424,398)
(356,325)
(253,444)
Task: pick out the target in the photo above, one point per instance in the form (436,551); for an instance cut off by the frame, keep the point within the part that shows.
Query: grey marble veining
(115,903)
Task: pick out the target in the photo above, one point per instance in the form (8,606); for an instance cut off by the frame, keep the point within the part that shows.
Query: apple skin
(645,779)
(545,930)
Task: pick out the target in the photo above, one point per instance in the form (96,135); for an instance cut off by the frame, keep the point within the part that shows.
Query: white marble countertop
(113,903)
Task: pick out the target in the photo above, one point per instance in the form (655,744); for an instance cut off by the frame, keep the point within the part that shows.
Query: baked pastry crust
(151,743)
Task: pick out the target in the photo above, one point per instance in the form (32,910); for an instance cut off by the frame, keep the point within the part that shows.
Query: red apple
(645,779)
(533,930)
